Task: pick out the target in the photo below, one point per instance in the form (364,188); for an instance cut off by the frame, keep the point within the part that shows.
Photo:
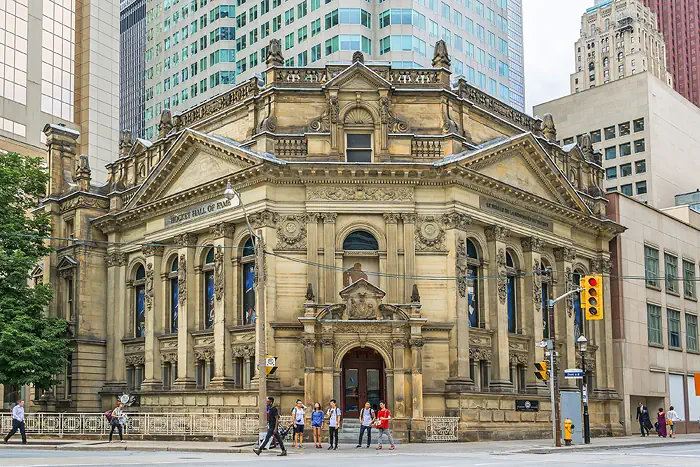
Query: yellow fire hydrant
(568,431)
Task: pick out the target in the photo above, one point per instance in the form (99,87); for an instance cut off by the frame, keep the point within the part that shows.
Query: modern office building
(619,38)
(132,49)
(655,309)
(198,49)
(61,66)
(679,21)
(647,132)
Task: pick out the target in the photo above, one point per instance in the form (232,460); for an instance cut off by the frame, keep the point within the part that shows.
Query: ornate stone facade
(422,241)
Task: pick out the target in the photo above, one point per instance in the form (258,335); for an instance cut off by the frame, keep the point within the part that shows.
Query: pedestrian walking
(671,419)
(661,423)
(273,420)
(17,422)
(334,423)
(367,417)
(317,424)
(643,419)
(384,417)
(298,413)
(117,422)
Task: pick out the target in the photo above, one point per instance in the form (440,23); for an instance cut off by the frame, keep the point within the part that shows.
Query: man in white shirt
(671,418)
(333,424)
(298,414)
(17,422)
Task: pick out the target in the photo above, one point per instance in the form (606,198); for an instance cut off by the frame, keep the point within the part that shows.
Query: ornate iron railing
(150,424)
(441,428)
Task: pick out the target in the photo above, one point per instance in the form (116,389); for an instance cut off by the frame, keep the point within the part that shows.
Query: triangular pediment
(66,262)
(358,78)
(193,160)
(362,287)
(523,164)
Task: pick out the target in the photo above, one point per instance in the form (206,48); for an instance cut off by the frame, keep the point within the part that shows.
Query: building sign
(526,217)
(196,212)
(527,406)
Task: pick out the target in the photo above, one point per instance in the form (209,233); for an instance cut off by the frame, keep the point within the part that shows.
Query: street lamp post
(582,345)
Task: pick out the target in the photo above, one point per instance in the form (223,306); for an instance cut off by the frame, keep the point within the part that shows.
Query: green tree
(33,346)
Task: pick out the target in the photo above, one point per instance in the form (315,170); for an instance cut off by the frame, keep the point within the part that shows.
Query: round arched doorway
(363,380)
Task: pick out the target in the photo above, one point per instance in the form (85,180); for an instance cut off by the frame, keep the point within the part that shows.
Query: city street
(442,455)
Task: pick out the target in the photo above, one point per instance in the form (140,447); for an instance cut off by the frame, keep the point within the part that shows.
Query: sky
(551,27)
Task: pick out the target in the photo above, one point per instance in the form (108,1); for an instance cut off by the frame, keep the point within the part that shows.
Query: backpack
(362,412)
(108,416)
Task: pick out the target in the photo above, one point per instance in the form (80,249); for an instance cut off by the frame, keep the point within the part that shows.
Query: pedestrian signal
(541,372)
(592,297)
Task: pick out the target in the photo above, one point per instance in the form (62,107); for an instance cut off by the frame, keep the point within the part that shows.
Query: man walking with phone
(272,428)
(17,422)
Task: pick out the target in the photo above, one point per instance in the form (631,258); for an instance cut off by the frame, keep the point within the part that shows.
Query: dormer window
(359,147)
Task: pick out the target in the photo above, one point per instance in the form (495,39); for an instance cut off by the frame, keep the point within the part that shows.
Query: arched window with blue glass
(140,292)
(208,269)
(248,282)
(174,296)
(546,295)
(473,283)
(511,293)
(360,258)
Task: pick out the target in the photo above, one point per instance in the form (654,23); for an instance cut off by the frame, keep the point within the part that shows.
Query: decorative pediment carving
(359,193)
(358,77)
(66,266)
(291,232)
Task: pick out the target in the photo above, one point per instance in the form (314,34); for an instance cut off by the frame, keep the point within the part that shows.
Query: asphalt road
(671,456)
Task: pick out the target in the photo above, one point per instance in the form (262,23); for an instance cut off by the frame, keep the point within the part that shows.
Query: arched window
(174,296)
(248,282)
(473,264)
(620,56)
(578,313)
(208,270)
(360,258)
(606,62)
(591,66)
(511,299)
(546,293)
(140,292)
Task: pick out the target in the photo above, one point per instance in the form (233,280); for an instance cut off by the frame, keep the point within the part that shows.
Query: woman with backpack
(298,415)
(367,418)
(117,420)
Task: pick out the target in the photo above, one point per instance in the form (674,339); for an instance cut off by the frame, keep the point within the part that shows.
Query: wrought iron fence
(441,428)
(182,424)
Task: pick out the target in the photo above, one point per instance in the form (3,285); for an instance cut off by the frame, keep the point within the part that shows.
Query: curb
(594,448)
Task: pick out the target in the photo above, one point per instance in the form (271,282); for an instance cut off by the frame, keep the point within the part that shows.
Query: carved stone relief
(537,285)
(115,259)
(148,289)
(182,279)
(479,354)
(219,276)
(395,124)
(429,234)
(291,232)
(359,193)
(502,281)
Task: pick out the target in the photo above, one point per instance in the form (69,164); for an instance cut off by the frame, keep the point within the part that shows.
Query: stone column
(417,421)
(564,314)
(187,313)
(392,256)
(224,304)
(328,367)
(248,353)
(117,310)
(329,295)
(409,254)
(154,317)
(309,343)
(400,409)
(498,309)
(312,253)
(532,294)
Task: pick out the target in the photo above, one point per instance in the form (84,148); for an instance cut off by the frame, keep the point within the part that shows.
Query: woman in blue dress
(317,424)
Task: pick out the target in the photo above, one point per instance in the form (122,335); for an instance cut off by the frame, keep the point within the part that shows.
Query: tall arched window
(511,299)
(473,264)
(606,62)
(360,258)
(208,270)
(546,292)
(140,292)
(578,313)
(174,296)
(248,281)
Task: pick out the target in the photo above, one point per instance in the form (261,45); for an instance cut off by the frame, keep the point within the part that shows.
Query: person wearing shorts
(317,424)
(298,413)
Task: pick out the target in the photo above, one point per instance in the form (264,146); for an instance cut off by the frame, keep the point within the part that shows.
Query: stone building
(404,223)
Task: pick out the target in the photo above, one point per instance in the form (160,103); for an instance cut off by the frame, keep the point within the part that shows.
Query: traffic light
(270,364)
(541,372)
(592,297)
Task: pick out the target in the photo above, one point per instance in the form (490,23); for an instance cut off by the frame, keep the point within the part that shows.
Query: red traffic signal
(592,282)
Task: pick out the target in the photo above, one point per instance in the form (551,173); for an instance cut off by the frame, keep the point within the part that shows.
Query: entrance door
(363,381)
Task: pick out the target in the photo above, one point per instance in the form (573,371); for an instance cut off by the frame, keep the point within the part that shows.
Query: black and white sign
(527,406)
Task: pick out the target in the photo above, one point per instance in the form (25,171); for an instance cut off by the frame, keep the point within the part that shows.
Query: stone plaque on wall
(527,406)
(517,214)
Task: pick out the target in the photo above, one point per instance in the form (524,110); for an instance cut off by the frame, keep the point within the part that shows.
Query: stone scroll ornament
(219,277)
(182,279)
(502,280)
(396,124)
(323,123)
(148,292)
(537,285)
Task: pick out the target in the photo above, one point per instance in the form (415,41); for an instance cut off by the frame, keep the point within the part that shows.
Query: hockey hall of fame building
(404,216)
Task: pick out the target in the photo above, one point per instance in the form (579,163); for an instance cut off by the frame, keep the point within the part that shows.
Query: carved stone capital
(398,343)
(408,218)
(416,342)
(600,265)
(264,218)
(456,220)
(308,341)
(479,354)
(186,240)
(391,218)
(222,229)
(151,250)
(115,258)
(497,233)
(329,217)
(565,254)
(533,244)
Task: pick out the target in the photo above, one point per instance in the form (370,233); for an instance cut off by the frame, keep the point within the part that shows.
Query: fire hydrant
(568,431)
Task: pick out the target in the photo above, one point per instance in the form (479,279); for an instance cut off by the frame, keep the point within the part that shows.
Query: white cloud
(551,27)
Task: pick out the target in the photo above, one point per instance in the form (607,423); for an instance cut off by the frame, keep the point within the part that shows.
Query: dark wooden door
(363,380)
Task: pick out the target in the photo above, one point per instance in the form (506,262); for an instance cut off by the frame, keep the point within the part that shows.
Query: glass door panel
(352,385)
(374,393)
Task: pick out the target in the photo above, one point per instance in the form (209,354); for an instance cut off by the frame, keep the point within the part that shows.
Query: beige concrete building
(619,38)
(655,320)
(646,131)
(61,66)
(403,226)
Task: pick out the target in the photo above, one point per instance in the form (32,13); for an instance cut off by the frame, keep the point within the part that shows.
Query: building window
(360,258)
(610,153)
(611,189)
(688,279)
(691,332)
(626,170)
(639,145)
(625,149)
(569,140)
(359,147)
(671,272)
(654,324)
(626,189)
(651,266)
(511,290)
(473,264)
(674,328)
(624,128)
(609,132)
(640,167)
(248,282)
(208,270)
(174,296)
(69,376)
(595,136)
(639,125)
(642,187)
(611,173)
(139,289)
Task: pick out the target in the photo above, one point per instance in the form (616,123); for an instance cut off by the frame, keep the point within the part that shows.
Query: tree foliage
(32,346)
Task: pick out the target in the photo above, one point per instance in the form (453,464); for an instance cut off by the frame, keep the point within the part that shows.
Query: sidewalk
(543,446)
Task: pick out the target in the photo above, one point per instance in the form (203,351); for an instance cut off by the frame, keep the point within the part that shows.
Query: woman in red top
(382,423)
